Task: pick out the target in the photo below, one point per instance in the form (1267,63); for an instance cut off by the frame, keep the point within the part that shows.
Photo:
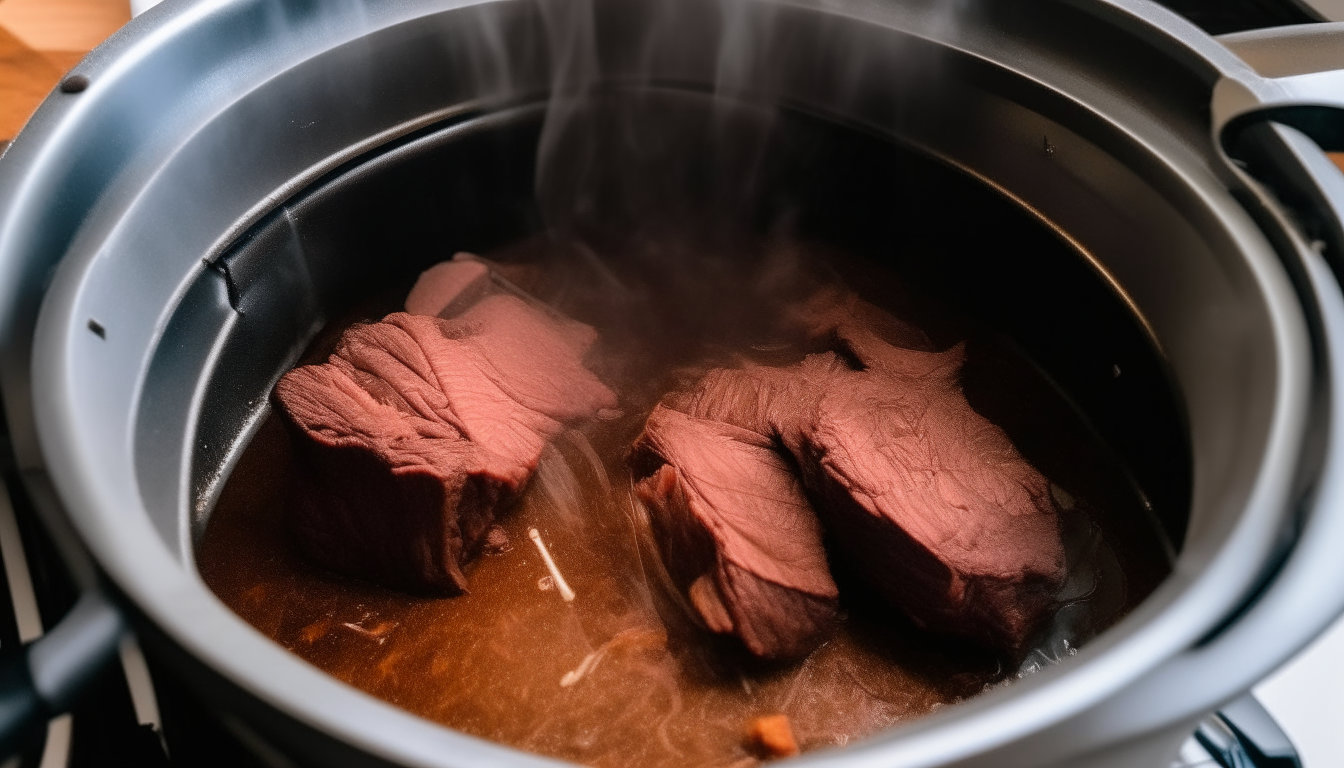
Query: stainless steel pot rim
(176,599)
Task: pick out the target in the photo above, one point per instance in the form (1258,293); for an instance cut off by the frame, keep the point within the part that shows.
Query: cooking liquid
(620,676)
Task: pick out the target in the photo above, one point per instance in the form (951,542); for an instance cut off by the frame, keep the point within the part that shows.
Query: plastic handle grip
(51,672)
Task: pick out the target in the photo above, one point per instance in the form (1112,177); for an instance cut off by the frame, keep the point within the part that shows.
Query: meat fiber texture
(736,532)
(927,500)
(419,430)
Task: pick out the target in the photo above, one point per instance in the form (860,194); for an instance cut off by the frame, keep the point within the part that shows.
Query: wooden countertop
(41,40)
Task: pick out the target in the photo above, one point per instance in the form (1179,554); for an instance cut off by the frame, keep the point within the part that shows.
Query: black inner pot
(1057,357)
(371,226)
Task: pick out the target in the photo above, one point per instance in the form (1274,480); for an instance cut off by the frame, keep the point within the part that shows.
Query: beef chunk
(466,277)
(930,502)
(418,430)
(450,288)
(736,532)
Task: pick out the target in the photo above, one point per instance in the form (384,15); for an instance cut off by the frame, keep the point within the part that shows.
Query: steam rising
(622,149)
(627,141)
(633,160)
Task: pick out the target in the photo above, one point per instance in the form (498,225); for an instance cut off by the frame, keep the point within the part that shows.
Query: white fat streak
(560,584)
(587,665)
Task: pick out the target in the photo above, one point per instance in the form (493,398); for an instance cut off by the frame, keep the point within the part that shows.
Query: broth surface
(619,676)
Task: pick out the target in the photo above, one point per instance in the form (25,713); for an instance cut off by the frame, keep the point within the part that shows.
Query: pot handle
(1297,193)
(45,678)
(1302,67)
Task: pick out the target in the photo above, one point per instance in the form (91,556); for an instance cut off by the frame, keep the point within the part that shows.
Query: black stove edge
(1219,17)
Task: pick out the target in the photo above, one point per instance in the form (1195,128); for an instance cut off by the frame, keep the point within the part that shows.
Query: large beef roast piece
(928,500)
(931,500)
(736,532)
(418,430)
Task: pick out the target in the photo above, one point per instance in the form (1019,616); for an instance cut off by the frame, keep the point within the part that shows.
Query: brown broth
(618,677)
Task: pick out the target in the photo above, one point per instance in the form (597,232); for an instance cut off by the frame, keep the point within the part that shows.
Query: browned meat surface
(418,430)
(736,532)
(929,500)
(932,501)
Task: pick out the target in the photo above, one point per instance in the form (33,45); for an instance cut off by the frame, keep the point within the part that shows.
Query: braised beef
(418,430)
(465,277)
(736,532)
(613,678)
(929,500)
(933,502)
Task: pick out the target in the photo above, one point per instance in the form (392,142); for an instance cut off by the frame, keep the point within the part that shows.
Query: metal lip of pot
(202,118)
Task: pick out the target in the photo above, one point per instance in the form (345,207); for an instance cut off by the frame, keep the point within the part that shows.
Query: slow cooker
(1145,209)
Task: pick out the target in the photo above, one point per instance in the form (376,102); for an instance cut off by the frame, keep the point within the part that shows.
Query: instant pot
(222,178)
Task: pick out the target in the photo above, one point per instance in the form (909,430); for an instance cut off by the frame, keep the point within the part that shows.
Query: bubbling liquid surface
(618,676)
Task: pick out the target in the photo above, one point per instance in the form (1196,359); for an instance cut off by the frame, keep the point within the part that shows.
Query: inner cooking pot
(900,224)
(1048,173)
(468,185)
